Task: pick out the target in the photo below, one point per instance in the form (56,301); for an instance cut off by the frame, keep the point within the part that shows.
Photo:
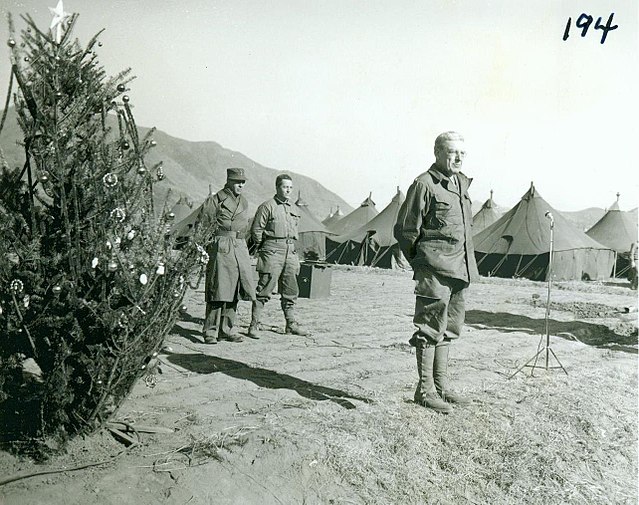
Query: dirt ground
(329,418)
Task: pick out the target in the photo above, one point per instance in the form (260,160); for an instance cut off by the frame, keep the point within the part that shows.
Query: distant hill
(190,167)
(584,219)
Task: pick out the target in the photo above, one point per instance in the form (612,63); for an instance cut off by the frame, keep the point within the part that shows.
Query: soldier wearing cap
(229,274)
(274,231)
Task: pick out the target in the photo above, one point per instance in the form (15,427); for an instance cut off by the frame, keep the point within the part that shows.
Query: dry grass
(546,440)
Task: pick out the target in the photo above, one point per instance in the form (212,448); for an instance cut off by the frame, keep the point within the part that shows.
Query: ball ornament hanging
(112,266)
(121,88)
(11,43)
(56,289)
(125,98)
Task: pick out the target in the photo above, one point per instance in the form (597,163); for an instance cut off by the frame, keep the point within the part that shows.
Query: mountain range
(192,169)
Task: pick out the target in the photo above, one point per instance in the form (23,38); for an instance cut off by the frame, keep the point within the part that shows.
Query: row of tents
(515,244)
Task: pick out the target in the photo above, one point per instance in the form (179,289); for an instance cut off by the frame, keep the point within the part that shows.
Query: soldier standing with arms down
(229,274)
(274,232)
(434,232)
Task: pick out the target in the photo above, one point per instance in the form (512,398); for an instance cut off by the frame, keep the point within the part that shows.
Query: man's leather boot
(256,312)
(292,326)
(426,394)
(440,375)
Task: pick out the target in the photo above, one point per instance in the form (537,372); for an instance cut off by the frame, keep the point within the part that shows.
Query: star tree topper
(59,20)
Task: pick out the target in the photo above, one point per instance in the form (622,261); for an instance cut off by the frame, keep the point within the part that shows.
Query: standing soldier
(274,231)
(228,272)
(433,230)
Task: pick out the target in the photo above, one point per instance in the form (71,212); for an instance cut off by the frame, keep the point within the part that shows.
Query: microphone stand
(546,349)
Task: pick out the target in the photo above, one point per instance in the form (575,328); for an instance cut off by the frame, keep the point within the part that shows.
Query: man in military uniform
(433,230)
(229,274)
(274,232)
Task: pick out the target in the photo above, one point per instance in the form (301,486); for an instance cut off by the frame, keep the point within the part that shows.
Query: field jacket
(434,226)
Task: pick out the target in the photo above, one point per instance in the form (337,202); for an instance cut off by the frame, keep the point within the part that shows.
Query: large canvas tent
(486,216)
(312,234)
(359,217)
(518,245)
(372,244)
(181,209)
(618,231)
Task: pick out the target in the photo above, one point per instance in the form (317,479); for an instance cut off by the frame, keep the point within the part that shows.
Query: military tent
(181,209)
(333,217)
(372,244)
(618,231)
(518,245)
(486,216)
(311,245)
(359,217)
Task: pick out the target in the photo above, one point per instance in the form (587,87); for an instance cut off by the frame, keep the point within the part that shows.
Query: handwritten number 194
(585,20)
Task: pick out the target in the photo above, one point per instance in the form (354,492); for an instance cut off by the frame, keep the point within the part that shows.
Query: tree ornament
(16,286)
(125,145)
(56,289)
(95,261)
(99,44)
(121,88)
(123,321)
(109,245)
(160,269)
(160,173)
(153,143)
(141,170)
(0,310)
(110,180)
(130,235)
(143,279)
(27,59)
(125,98)
(183,309)
(118,214)
(176,294)
(11,43)
(171,215)
(112,266)
(25,301)
(44,178)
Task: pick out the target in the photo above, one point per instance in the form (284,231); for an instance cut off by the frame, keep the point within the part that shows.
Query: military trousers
(278,267)
(219,319)
(439,308)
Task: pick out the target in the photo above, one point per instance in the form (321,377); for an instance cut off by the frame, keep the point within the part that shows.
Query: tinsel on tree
(89,282)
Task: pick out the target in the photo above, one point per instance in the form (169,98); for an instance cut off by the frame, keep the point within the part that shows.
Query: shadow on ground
(205,364)
(194,336)
(596,335)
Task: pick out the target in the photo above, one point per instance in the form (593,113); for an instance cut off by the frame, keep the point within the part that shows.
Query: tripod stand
(546,349)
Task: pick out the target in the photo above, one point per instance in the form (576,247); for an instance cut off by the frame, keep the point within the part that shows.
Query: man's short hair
(443,137)
(280,178)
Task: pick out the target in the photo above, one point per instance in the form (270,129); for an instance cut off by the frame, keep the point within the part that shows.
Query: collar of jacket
(437,176)
(280,200)
(239,200)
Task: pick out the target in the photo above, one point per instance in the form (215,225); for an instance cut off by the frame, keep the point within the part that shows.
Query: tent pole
(614,266)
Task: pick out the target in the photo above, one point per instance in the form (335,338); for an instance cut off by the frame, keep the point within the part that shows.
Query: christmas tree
(89,282)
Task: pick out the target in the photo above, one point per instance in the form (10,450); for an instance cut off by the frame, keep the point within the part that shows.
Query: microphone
(548,215)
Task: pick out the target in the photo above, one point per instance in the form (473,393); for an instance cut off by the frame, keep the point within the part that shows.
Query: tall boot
(440,375)
(256,313)
(426,394)
(292,326)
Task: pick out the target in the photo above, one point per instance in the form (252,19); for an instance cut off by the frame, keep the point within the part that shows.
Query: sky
(354,92)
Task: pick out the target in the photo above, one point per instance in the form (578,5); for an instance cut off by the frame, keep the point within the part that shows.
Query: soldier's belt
(229,233)
(281,240)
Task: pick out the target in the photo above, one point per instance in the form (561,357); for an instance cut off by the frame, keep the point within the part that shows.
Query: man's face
(284,189)
(450,156)
(237,187)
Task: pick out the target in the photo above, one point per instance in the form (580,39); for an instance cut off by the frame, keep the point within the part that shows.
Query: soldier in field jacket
(434,232)
(274,232)
(229,274)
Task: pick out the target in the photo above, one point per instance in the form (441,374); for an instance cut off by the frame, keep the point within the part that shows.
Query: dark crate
(314,280)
